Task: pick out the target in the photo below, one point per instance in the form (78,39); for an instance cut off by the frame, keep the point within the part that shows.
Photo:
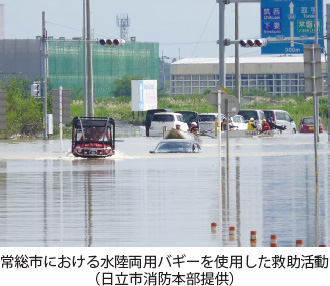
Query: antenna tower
(123,23)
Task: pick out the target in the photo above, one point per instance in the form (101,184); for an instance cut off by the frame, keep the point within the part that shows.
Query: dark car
(149,116)
(307,125)
(177,146)
(189,117)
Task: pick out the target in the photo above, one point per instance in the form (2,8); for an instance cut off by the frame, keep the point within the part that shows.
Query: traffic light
(35,89)
(253,43)
(111,42)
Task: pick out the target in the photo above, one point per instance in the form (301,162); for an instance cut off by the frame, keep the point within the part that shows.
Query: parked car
(282,118)
(149,116)
(189,117)
(207,121)
(307,125)
(257,115)
(177,146)
(238,122)
(166,121)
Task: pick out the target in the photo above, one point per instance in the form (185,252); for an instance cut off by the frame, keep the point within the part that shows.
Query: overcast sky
(183,28)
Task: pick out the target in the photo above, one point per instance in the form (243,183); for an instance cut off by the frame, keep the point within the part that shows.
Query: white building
(282,75)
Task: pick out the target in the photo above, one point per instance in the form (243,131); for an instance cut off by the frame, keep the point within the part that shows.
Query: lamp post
(164,57)
(89,64)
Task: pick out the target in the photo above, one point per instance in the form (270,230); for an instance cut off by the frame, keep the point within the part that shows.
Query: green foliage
(194,102)
(123,86)
(24,112)
(297,106)
(255,92)
(164,90)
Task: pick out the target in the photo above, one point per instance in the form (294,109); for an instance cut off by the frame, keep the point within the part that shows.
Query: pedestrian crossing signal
(35,89)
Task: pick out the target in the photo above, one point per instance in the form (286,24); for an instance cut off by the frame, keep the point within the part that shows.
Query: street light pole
(163,63)
(221,42)
(89,64)
(237,61)
(45,56)
(84,54)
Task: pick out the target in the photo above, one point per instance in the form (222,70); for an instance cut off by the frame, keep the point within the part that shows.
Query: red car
(307,125)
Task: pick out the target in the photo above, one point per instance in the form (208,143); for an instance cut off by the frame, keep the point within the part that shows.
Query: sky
(183,28)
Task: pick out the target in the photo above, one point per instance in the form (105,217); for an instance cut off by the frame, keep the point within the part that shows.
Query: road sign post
(313,70)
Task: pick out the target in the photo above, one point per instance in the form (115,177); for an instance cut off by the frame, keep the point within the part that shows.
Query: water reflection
(137,199)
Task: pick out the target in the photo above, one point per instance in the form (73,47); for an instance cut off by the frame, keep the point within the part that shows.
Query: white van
(166,121)
(256,114)
(282,118)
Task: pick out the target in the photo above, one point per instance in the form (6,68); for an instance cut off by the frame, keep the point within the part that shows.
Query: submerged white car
(177,146)
(164,121)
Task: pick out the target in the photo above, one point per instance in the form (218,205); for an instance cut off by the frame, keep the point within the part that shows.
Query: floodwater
(50,198)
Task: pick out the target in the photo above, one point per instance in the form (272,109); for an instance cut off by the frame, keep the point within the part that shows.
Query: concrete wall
(20,57)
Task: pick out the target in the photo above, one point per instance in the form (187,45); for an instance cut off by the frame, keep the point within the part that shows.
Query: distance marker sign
(290,19)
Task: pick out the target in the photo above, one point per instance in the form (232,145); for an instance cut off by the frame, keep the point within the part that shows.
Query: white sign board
(144,95)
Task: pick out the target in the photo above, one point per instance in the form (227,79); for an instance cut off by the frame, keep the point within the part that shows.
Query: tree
(123,86)
(24,112)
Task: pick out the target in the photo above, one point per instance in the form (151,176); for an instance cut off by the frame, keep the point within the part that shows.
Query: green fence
(66,64)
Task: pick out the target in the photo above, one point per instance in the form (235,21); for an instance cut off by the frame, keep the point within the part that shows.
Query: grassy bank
(120,108)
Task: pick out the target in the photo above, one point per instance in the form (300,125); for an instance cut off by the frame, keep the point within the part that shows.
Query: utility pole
(221,43)
(316,98)
(44,65)
(89,64)
(237,62)
(85,62)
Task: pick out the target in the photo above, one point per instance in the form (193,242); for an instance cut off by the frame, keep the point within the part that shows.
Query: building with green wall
(66,64)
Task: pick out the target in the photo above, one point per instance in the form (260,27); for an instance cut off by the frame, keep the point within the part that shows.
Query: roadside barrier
(214,227)
(253,238)
(273,240)
(130,130)
(232,233)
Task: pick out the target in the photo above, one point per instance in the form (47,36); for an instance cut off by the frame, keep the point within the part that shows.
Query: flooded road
(50,198)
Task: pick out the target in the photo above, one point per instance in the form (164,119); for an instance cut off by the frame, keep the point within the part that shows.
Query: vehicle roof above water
(209,113)
(177,140)
(167,113)
(167,117)
(187,111)
(310,117)
(159,110)
(273,110)
(92,121)
(267,111)
(248,113)
(251,110)
(209,116)
(151,112)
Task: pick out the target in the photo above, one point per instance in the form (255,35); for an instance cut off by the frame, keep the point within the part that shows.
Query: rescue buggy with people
(93,137)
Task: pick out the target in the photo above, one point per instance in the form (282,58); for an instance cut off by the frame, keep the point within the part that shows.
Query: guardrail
(130,131)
